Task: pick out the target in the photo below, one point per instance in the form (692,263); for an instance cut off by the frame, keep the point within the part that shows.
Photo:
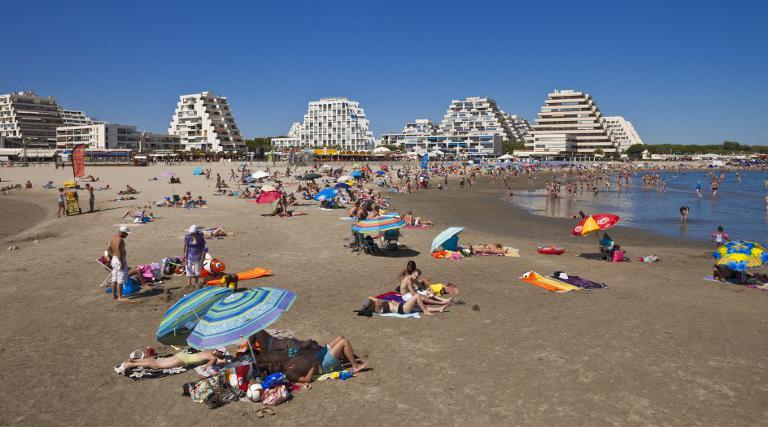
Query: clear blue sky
(681,71)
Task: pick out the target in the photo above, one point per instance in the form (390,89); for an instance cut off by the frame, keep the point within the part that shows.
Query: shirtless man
(116,250)
(409,290)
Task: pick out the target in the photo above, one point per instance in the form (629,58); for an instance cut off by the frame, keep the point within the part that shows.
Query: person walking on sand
(91,197)
(116,251)
(60,199)
(194,251)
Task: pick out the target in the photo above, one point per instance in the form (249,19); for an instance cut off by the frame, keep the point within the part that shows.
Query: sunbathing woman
(415,221)
(486,249)
(209,357)
(375,305)
(128,190)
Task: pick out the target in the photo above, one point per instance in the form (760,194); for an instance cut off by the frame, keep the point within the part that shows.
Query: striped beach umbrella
(378,225)
(596,222)
(239,316)
(183,316)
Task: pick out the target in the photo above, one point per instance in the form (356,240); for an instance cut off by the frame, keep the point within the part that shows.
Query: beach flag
(78,161)
(424,160)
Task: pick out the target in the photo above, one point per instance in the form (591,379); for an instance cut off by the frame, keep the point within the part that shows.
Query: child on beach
(719,237)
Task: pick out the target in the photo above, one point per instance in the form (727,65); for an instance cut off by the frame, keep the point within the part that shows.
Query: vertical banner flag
(424,160)
(78,161)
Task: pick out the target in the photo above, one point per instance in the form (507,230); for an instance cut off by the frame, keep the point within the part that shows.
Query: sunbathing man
(128,190)
(209,357)
(413,286)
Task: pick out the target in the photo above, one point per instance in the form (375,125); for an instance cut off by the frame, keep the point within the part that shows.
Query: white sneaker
(120,369)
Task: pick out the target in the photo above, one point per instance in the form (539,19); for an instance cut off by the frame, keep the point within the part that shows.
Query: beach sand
(659,346)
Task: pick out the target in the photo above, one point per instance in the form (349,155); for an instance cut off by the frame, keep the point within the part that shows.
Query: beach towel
(578,281)
(390,296)
(144,373)
(130,224)
(401,316)
(348,218)
(416,227)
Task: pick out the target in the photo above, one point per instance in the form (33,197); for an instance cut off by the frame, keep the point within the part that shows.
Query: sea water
(740,207)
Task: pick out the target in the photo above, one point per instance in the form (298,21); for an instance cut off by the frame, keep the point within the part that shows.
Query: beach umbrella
(327,193)
(344,178)
(356,174)
(267,197)
(448,239)
(741,255)
(265,188)
(259,174)
(384,167)
(168,174)
(182,317)
(343,185)
(596,222)
(197,170)
(378,225)
(311,176)
(240,315)
(380,173)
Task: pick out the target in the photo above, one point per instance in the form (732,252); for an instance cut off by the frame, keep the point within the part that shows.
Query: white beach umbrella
(344,178)
(259,174)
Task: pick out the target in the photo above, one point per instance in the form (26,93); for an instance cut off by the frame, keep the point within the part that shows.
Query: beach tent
(197,171)
(448,239)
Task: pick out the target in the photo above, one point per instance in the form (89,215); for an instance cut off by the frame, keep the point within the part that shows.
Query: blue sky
(681,71)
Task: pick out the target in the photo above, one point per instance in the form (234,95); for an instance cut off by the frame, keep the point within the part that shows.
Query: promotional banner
(424,160)
(78,161)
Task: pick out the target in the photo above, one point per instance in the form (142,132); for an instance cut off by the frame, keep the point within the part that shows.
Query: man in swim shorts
(116,250)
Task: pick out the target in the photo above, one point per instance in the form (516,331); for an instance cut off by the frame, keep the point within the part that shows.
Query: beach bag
(275,395)
(618,256)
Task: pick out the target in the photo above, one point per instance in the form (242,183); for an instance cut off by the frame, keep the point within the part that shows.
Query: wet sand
(659,346)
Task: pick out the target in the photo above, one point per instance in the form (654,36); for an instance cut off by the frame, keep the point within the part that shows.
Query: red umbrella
(268,197)
(601,221)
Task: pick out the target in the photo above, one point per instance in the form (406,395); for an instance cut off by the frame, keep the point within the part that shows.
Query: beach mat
(762,287)
(145,373)
(253,273)
(130,224)
(548,283)
(416,227)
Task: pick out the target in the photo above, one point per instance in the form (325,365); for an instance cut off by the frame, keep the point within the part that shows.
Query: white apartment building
(457,146)
(570,123)
(623,132)
(418,127)
(519,126)
(475,115)
(331,123)
(73,118)
(25,115)
(204,121)
(110,136)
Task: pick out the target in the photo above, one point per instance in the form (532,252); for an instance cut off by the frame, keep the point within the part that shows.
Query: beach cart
(73,204)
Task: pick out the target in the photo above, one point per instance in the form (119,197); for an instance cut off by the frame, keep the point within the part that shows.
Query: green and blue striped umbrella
(239,316)
(182,317)
(378,225)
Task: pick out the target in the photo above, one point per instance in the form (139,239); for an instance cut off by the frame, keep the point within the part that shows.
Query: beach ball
(254,392)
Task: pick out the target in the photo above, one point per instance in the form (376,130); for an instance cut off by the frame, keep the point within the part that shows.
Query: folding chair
(107,280)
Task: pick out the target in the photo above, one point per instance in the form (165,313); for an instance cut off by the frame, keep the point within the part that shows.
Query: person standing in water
(684,214)
(698,188)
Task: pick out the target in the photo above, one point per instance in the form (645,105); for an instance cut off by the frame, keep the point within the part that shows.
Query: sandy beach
(659,346)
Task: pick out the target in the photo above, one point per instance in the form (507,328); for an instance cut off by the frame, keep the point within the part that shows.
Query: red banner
(78,161)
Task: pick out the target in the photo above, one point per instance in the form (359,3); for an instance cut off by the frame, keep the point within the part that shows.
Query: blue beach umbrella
(326,194)
(741,255)
(184,315)
(448,239)
(239,316)
(356,174)
(343,185)
(197,171)
(380,173)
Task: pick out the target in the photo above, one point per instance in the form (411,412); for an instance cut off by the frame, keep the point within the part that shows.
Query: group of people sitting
(128,190)
(416,294)
(185,201)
